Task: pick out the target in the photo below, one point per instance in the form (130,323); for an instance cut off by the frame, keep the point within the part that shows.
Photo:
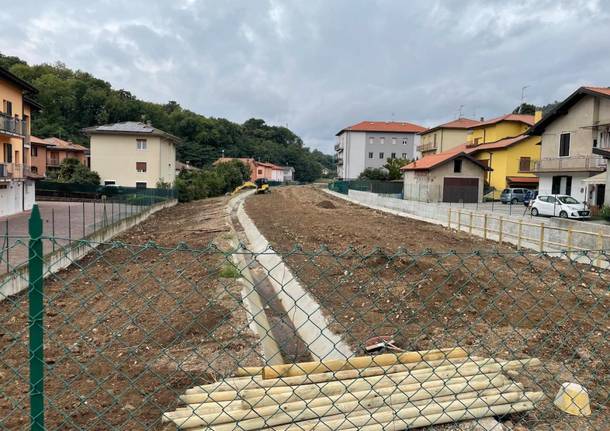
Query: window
(141,166)
(34,169)
(404,155)
(381,155)
(8,153)
(435,139)
(260,172)
(371,140)
(564,145)
(393,141)
(477,140)
(34,151)
(370,155)
(393,156)
(382,140)
(8,108)
(141,144)
(405,141)
(457,166)
(524,164)
(109,183)
(140,184)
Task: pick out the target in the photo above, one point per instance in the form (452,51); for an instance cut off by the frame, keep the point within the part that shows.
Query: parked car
(559,206)
(512,196)
(530,196)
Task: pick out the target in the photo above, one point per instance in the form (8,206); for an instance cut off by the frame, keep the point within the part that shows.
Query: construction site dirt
(432,287)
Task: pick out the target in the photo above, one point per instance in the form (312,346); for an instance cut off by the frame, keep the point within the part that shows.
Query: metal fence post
(541,236)
(35,316)
(69,225)
(500,229)
(519,234)
(84,228)
(8,257)
(485,226)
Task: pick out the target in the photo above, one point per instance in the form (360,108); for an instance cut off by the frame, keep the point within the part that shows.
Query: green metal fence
(134,195)
(135,331)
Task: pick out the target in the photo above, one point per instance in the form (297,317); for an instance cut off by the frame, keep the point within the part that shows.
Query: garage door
(461,190)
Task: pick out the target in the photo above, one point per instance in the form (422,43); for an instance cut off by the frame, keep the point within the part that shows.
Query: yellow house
(445,136)
(503,145)
(16,185)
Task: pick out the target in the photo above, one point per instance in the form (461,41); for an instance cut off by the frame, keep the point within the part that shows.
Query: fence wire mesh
(151,337)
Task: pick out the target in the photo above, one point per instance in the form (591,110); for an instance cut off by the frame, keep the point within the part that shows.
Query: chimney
(482,119)
(537,116)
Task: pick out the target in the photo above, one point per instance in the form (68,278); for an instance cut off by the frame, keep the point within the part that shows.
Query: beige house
(569,134)
(445,136)
(133,154)
(447,177)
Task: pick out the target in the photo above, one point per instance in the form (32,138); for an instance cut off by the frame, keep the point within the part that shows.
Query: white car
(563,206)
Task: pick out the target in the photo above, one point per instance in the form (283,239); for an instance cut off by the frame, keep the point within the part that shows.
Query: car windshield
(567,200)
(505,191)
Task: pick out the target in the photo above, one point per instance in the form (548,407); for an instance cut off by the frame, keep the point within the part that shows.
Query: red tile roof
(460,123)
(502,143)
(228,159)
(434,160)
(601,90)
(384,126)
(520,118)
(64,145)
(38,141)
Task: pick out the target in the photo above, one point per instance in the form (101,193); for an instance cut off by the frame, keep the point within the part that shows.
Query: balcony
(426,147)
(585,163)
(338,148)
(12,126)
(13,171)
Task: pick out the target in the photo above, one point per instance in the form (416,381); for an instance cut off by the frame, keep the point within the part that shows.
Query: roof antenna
(522,98)
(460,111)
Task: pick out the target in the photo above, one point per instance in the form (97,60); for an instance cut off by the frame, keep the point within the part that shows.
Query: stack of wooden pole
(383,392)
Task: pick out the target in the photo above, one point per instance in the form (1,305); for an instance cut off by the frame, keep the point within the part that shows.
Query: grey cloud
(320,65)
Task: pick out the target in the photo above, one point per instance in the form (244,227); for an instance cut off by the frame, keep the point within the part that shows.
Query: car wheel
(514,201)
(534,212)
(504,203)
(563,214)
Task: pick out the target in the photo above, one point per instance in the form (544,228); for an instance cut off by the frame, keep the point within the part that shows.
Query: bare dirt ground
(431,287)
(128,328)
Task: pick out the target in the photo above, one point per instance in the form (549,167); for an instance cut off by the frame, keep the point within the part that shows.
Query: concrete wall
(114,157)
(16,196)
(17,280)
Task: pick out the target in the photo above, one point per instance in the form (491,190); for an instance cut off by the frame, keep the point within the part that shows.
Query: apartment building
(16,182)
(445,136)
(369,144)
(569,134)
(133,154)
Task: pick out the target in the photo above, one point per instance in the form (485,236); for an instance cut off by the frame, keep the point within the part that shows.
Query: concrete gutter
(305,313)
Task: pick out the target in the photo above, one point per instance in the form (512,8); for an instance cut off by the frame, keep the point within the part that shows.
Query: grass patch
(229,271)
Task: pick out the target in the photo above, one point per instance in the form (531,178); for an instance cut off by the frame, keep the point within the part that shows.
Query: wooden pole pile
(383,392)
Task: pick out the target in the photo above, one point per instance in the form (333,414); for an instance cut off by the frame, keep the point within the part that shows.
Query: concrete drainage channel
(287,319)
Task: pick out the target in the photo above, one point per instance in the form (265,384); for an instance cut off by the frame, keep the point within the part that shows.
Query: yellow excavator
(261,185)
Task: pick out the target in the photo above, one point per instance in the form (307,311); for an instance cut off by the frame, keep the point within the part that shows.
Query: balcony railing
(12,126)
(426,147)
(585,163)
(338,148)
(14,171)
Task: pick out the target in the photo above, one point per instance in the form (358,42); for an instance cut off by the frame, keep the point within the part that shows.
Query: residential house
(16,183)
(38,156)
(445,177)
(133,154)
(445,136)
(184,167)
(569,134)
(58,150)
(289,173)
(369,144)
(258,169)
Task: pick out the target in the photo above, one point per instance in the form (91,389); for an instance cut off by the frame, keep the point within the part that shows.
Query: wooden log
(202,409)
(248,371)
(230,384)
(257,382)
(386,359)
(254,398)
(412,410)
(451,416)
(319,423)
(254,420)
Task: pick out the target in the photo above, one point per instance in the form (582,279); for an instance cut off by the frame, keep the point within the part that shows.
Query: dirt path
(432,287)
(130,327)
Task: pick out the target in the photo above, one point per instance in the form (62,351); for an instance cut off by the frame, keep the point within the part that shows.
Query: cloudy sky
(320,65)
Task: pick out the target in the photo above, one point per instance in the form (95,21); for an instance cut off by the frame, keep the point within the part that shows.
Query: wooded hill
(73,100)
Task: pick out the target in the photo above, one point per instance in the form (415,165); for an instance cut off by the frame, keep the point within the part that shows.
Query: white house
(369,144)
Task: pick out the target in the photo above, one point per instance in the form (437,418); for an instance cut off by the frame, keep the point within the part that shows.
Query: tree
(526,109)
(393,166)
(73,171)
(379,174)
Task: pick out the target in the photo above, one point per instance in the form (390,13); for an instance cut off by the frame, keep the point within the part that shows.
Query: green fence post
(35,315)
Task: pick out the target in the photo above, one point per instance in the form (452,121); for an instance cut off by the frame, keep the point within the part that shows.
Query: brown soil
(128,328)
(432,287)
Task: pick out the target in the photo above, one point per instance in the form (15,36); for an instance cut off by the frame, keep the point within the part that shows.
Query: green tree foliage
(214,181)
(74,100)
(526,109)
(73,171)
(393,166)
(379,174)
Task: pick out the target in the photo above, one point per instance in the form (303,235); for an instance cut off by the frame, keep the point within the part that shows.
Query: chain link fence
(139,336)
